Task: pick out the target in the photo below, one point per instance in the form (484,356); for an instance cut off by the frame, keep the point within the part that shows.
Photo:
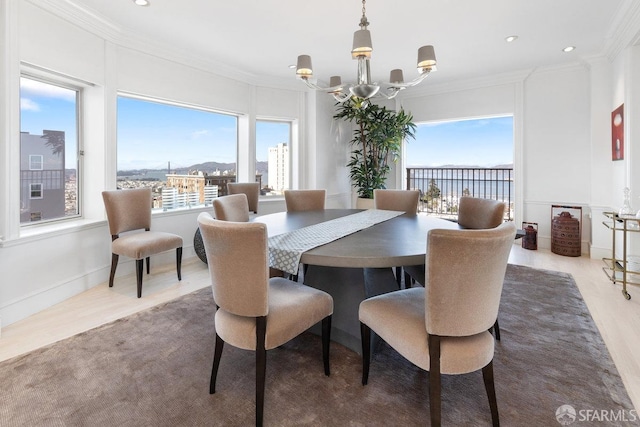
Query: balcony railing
(441,188)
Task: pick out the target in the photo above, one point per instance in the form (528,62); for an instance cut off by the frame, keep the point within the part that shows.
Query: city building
(279,168)
(42,176)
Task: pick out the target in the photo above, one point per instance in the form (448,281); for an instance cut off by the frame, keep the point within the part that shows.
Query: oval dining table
(359,265)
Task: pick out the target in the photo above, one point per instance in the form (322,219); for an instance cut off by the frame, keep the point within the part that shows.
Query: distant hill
(207,167)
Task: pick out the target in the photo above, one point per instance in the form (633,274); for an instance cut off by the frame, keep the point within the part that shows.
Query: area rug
(152,369)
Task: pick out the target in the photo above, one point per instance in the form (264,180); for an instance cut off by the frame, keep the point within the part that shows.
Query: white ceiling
(261,38)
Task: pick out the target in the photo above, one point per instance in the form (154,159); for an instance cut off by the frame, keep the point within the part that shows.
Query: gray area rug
(152,369)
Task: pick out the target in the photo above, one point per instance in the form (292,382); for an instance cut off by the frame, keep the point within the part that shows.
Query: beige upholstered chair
(250,189)
(477,213)
(443,328)
(253,311)
(474,213)
(397,200)
(130,210)
(304,200)
(233,207)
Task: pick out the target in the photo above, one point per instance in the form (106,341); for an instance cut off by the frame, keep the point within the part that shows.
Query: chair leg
(399,277)
(408,281)
(114,265)
(261,367)
(326,338)
(179,262)
(489,385)
(365,337)
(217,354)
(148,264)
(435,386)
(139,268)
(496,329)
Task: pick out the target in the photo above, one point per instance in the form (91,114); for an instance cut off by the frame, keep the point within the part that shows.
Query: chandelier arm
(332,89)
(413,82)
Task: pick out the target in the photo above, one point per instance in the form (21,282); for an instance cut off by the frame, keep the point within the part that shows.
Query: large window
(185,155)
(49,163)
(273,141)
(458,158)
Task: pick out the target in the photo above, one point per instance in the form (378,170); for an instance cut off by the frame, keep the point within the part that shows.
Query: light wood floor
(617,319)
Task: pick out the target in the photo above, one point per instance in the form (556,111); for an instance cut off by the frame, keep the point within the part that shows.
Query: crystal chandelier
(364,88)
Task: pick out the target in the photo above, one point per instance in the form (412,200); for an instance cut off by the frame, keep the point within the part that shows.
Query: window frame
(31,185)
(290,122)
(188,106)
(53,78)
(31,163)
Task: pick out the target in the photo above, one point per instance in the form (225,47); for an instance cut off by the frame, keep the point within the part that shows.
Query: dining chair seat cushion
(293,308)
(140,245)
(399,319)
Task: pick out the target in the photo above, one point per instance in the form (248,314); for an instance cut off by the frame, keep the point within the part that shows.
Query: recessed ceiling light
(292,66)
(511,39)
(141,2)
(568,48)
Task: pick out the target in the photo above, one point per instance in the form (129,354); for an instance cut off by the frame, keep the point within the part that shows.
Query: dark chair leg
(408,281)
(148,264)
(487,375)
(399,277)
(139,268)
(365,337)
(435,400)
(179,262)
(326,338)
(496,330)
(217,354)
(261,367)
(114,265)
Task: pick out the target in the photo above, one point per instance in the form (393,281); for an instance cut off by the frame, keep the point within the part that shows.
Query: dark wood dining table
(359,265)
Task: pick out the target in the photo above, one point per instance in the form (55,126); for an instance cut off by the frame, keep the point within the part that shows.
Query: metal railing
(441,188)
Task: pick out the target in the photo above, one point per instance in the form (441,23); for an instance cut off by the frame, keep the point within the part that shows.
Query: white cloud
(39,89)
(198,133)
(27,104)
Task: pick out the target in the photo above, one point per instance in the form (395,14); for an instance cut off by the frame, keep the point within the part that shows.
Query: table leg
(349,287)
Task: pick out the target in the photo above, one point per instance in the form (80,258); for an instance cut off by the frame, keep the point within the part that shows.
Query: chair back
(238,265)
(250,189)
(464,275)
(127,210)
(304,200)
(233,207)
(397,200)
(479,213)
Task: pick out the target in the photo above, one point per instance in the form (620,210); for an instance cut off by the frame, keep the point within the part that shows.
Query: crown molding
(462,85)
(625,29)
(77,14)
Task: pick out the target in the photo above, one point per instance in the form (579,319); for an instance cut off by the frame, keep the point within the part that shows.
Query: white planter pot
(364,203)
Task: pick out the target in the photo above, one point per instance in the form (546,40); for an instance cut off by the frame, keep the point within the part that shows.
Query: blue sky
(151,134)
(44,106)
(478,142)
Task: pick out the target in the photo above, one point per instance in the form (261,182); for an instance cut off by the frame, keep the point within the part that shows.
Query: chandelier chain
(364,23)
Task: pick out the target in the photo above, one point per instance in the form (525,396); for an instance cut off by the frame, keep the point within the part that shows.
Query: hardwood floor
(617,319)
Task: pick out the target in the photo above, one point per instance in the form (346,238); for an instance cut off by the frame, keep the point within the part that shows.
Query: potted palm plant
(377,141)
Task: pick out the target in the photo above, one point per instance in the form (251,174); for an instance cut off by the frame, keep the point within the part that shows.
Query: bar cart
(619,269)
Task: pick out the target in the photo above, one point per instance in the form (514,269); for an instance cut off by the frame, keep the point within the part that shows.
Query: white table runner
(286,249)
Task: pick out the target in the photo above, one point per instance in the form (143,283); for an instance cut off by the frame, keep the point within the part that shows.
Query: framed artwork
(617,133)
